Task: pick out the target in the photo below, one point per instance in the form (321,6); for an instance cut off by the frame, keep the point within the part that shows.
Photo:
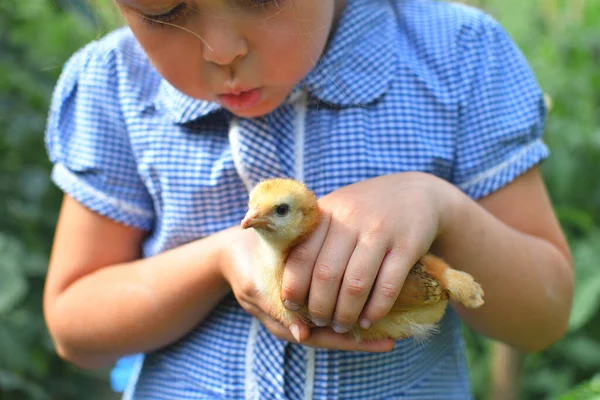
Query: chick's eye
(282,209)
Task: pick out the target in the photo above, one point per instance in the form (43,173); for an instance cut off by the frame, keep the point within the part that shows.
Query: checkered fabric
(405,85)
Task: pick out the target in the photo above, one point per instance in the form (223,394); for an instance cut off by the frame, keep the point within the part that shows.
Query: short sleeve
(501,111)
(88,143)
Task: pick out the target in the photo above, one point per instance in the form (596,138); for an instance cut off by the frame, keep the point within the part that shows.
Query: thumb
(291,321)
(299,329)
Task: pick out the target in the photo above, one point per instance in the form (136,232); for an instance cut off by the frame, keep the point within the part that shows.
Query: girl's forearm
(138,306)
(528,282)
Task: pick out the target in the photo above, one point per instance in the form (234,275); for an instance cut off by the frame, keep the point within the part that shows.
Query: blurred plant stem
(506,366)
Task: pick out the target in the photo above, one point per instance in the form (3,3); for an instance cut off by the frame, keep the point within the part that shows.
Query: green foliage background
(561,39)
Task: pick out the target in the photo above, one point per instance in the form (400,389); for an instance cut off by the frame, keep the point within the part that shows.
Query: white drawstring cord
(300,101)
(301,106)
(234,142)
(250,386)
(135,375)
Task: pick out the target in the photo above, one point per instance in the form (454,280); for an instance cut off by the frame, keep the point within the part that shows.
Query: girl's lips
(240,101)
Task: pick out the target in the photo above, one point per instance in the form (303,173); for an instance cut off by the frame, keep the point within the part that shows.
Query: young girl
(418,124)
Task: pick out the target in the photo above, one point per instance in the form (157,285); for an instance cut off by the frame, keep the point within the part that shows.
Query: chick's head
(282,211)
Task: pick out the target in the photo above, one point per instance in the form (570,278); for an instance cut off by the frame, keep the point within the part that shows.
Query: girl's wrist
(453,210)
(224,240)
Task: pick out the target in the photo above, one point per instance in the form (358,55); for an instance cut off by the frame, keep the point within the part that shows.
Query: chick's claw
(464,289)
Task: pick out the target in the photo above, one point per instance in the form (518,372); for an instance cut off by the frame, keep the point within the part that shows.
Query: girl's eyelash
(167,18)
(259,3)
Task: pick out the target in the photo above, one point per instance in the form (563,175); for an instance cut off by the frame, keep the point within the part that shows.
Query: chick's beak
(253,219)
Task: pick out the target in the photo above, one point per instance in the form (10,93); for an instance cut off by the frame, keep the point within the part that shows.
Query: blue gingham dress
(403,86)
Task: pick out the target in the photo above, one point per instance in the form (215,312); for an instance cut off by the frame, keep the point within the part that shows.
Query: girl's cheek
(289,41)
(178,59)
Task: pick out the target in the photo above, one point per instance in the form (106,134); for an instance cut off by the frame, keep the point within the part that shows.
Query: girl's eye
(167,18)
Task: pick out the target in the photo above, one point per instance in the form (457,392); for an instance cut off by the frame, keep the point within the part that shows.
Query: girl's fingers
(295,330)
(328,339)
(392,273)
(298,331)
(328,273)
(297,273)
(358,281)
(324,338)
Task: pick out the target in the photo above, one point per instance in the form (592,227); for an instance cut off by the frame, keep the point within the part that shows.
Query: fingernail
(295,332)
(365,323)
(339,328)
(320,322)
(291,306)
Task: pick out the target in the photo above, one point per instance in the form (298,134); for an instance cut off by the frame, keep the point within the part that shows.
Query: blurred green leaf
(583,352)
(586,302)
(12,382)
(13,351)
(586,391)
(577,218)
(13,285)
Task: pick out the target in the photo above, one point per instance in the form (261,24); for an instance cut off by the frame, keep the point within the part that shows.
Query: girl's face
(244,54)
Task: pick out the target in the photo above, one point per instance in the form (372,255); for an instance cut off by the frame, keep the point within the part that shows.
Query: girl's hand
(239,250)
(370,236)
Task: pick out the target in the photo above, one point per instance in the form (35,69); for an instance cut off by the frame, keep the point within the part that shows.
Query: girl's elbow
(67,347)
(556,324)
(540,344)
(81,359)
(74,358)
(546,337)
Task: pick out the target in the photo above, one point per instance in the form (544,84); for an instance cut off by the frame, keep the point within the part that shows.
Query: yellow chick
(283,212)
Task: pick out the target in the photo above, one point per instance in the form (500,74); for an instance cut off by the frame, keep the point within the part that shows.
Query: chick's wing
(419,289)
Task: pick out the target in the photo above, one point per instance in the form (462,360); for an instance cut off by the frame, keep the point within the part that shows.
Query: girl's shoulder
(449,45)
(117,44)
(99,92)
(441,29)
(114,67)
(436,16)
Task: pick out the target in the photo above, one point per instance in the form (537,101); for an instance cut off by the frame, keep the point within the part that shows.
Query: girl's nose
(223,43)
